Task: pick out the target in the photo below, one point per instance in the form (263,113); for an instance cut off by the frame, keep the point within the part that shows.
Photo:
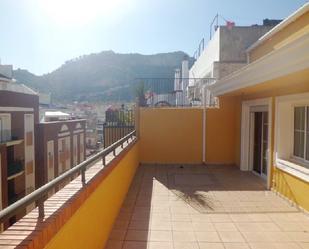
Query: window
(301,132)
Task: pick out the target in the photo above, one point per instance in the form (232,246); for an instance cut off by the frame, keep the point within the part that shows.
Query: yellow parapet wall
(171,135)
(175,135)
(90,226)
(292,188)
(223,132)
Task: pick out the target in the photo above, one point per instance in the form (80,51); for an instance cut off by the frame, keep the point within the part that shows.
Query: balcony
(151,189)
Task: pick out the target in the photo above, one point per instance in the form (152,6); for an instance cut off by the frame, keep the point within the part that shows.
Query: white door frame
(245,134)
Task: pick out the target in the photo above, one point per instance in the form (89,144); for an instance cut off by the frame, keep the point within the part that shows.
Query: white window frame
(302,160)
(284,150)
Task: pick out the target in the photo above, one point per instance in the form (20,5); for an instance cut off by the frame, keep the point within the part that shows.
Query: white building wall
(203,66)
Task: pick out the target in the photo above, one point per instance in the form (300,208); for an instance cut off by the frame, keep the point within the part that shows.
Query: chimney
(177,85)
(185,73)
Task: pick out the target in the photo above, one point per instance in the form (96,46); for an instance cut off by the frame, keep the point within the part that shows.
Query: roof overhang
(288,59)
(291,18)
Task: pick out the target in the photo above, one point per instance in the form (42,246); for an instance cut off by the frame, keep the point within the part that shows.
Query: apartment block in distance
(61,145)
(18,117)
(32,152)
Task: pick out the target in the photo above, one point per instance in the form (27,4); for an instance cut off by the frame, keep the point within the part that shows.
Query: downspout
(204,126)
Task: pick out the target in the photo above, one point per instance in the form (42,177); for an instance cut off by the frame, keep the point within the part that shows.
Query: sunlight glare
(78,12)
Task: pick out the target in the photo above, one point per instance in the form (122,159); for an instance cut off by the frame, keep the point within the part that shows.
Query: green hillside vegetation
(102,76)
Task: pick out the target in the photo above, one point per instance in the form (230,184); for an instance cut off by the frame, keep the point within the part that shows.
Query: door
(260,142)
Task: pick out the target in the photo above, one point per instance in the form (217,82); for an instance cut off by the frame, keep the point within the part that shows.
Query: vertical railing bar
(103,160)
(83,177)
(41,208)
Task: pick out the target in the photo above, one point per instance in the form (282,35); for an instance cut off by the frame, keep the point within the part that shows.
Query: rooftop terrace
(150,190)
(199,207)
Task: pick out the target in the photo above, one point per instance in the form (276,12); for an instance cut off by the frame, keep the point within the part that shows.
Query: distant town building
(33,153)
(18,118)
(60,146)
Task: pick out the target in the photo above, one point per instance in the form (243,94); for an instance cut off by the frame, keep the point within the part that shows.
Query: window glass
(299,118)
(265,126)
(299,131)
(299,144)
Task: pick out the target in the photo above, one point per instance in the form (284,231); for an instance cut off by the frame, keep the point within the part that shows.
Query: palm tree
(140,94)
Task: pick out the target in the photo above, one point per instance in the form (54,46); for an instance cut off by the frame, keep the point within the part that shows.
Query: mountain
(102,76)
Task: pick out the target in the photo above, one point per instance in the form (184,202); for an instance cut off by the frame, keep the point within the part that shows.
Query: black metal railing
(118,123)
(154,92)
(40,194)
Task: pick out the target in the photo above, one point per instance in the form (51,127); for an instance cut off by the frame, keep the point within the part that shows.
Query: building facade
(224,54)
(32,153)
(18,118)
(271,99)
(61,146)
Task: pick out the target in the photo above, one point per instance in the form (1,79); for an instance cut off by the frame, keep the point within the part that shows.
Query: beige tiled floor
(205,207)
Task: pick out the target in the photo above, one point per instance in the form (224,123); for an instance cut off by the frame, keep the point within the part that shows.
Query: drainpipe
(204,126)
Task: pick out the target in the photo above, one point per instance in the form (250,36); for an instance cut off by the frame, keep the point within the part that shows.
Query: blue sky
(40,35)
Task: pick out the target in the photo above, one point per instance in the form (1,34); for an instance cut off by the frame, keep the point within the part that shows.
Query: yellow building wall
(295,29)
(170,135)
(292,187)
(223,132)
(90,226)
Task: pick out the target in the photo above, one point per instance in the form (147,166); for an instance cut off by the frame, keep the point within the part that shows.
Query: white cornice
(15,109)
(288,59)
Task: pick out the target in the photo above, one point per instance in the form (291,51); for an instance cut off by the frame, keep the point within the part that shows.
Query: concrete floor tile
(236,246)
(207,237)
(205,245)
(231,236)
(137,235)
(186,245)
(231,211)
(183,236)
(161,236)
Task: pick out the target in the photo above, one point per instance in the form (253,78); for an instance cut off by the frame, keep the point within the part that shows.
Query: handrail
(40,193)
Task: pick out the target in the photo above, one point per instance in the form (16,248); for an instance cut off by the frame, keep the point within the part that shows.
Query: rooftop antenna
(215,23)
(215,20)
